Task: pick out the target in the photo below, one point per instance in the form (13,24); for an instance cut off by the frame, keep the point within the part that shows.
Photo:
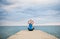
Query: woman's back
(30,22)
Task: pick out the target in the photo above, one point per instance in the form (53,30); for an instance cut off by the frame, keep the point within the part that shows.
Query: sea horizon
(7,31)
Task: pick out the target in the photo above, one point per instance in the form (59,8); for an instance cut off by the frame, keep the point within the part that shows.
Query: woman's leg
(31,29)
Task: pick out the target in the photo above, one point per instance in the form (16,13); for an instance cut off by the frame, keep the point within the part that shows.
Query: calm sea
(6,31)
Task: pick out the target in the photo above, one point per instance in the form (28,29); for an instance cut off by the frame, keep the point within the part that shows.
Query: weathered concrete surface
(36,34)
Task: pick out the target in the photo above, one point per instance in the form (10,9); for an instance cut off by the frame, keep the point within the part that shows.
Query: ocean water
(6,31)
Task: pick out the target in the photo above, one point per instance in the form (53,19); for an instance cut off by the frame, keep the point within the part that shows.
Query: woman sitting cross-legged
(30,27)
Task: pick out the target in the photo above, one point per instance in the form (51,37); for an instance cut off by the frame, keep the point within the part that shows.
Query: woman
(30,22)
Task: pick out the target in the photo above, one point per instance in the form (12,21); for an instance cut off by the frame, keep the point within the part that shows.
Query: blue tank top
(30,26)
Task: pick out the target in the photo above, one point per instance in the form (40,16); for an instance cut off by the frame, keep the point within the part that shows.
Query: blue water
(6,31)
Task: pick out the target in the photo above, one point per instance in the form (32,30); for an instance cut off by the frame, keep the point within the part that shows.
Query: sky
(18,12)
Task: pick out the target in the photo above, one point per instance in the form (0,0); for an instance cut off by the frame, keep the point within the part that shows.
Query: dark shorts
(30,29)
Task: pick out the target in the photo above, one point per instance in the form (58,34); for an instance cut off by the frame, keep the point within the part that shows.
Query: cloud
(22,22)
(30,3)
(3,14)
(4,2)
(10,23)
(19,11)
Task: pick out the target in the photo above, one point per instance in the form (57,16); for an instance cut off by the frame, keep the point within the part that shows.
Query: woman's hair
(31,21)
